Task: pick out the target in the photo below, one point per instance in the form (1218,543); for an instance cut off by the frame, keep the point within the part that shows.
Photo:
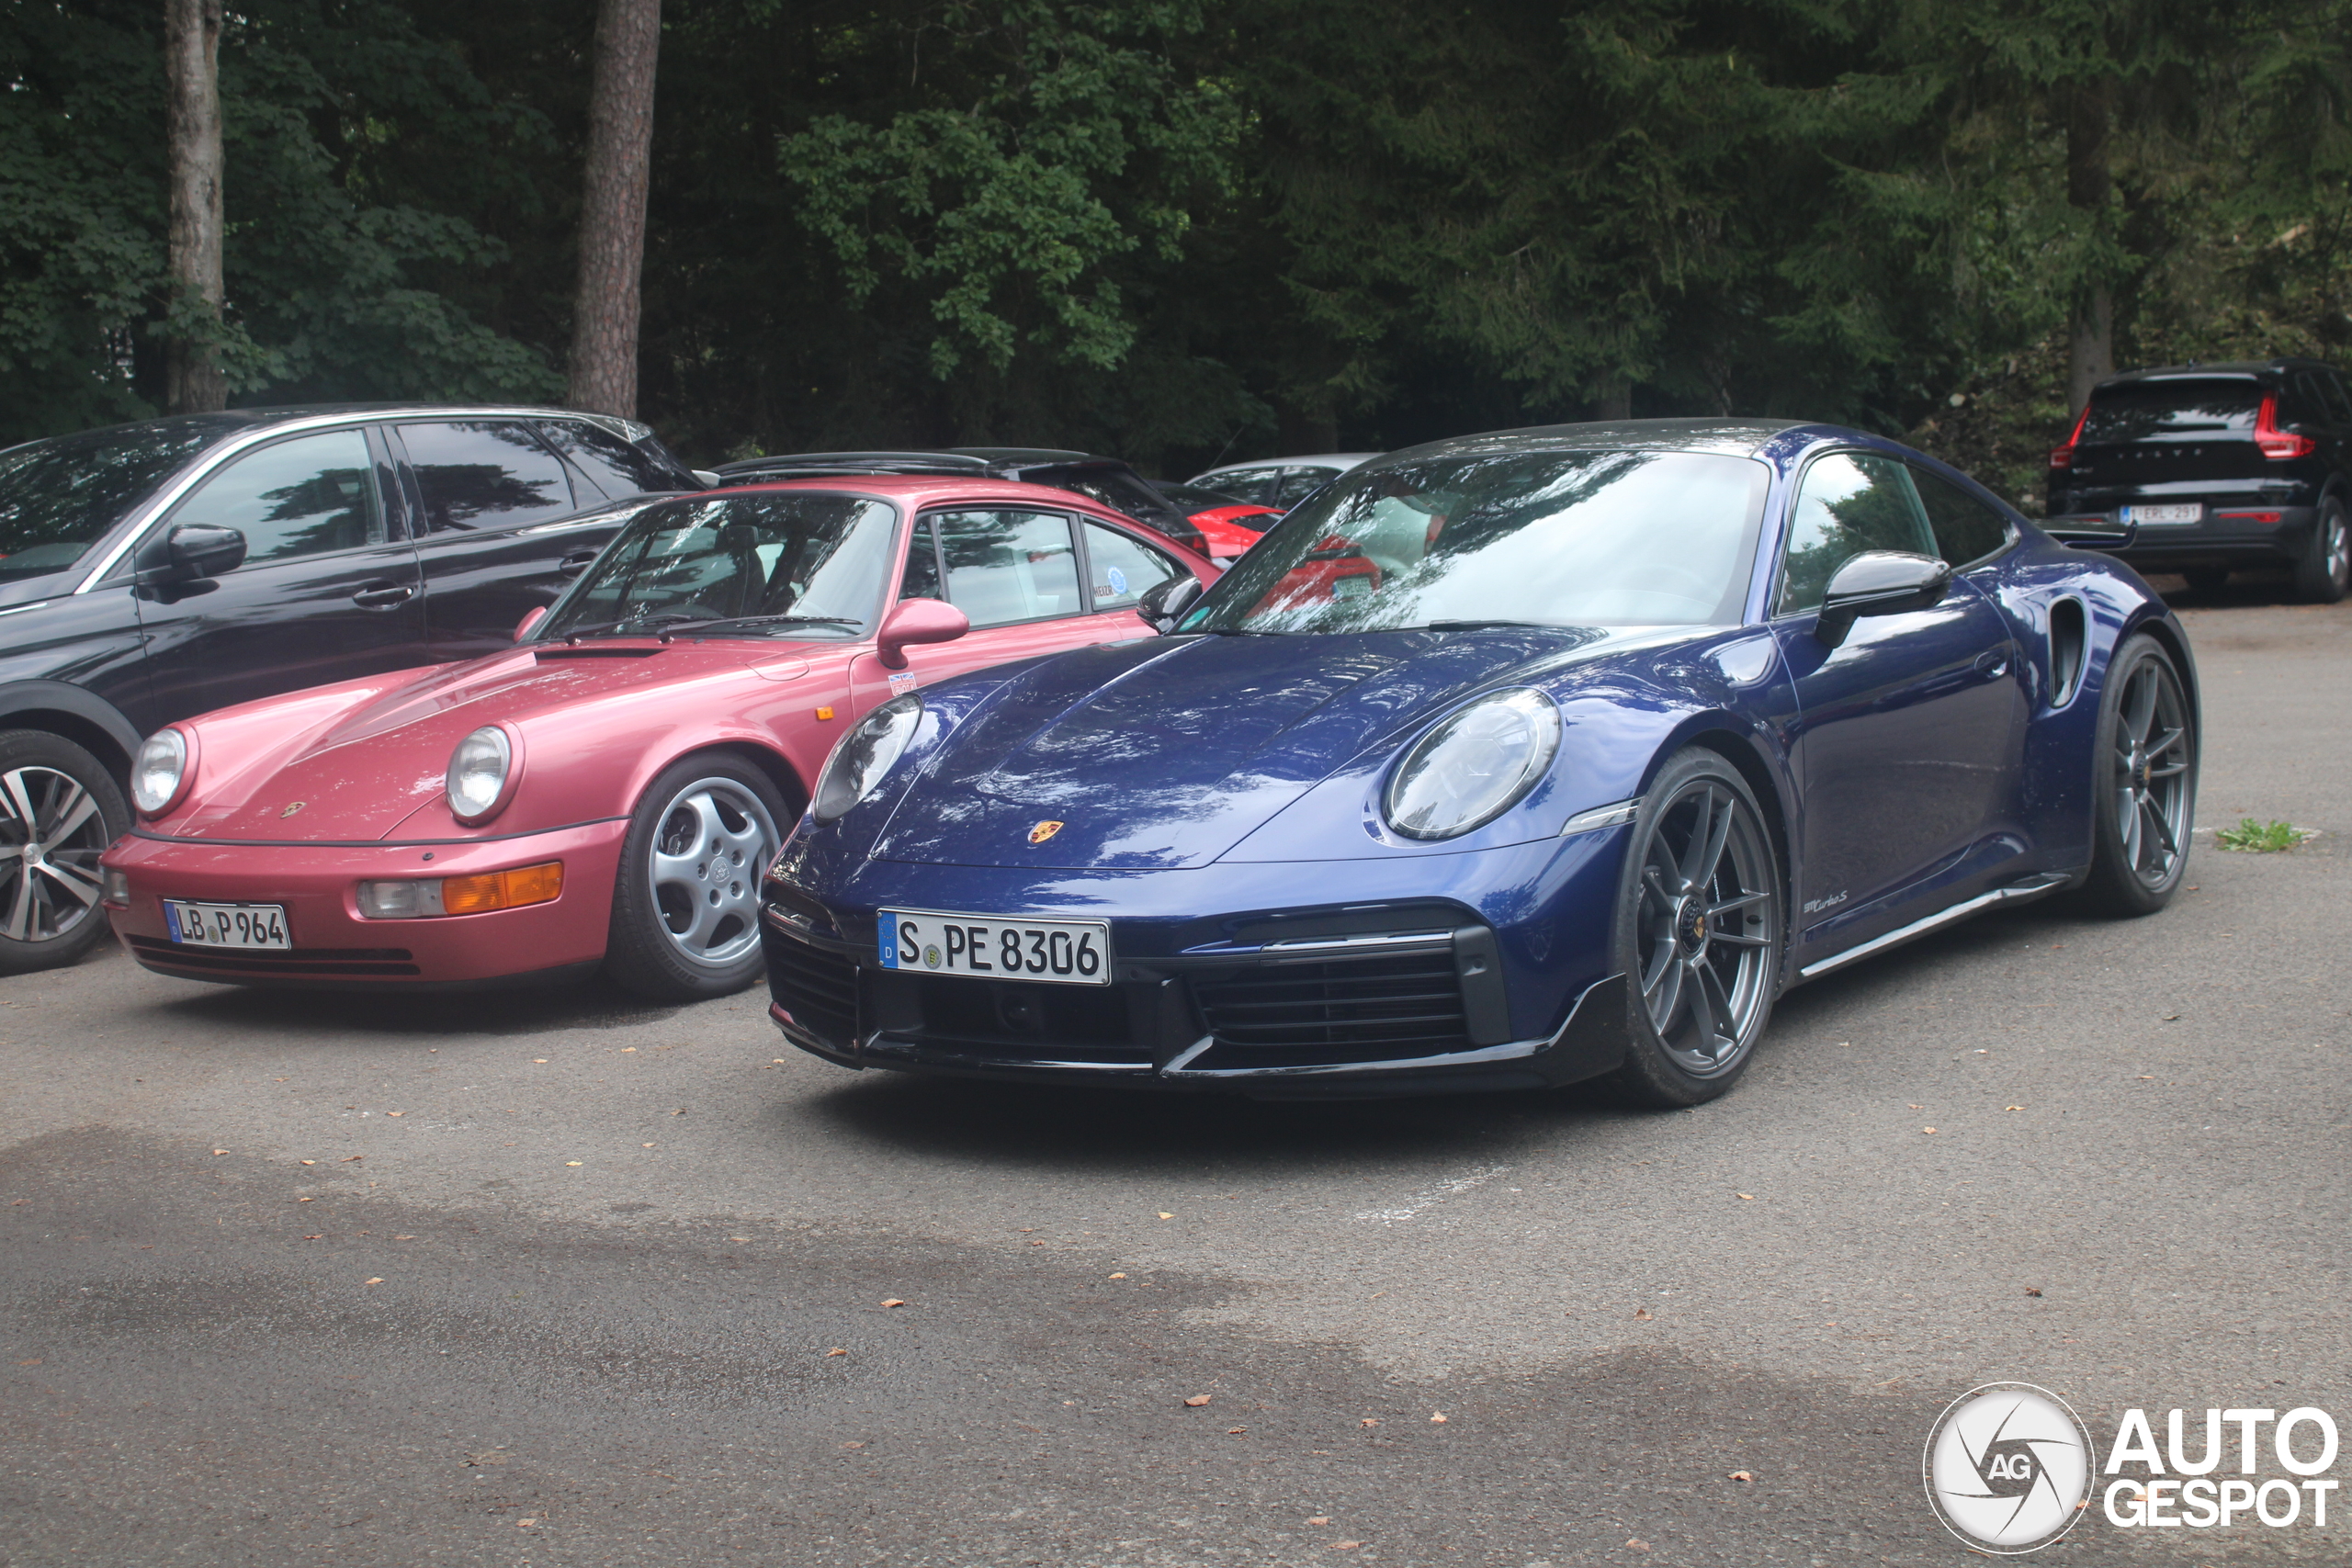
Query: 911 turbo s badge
(1043,831)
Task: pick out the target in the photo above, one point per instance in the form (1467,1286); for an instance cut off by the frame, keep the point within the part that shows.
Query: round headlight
(865,755)
(160,772)
(1474,767)
(478,772)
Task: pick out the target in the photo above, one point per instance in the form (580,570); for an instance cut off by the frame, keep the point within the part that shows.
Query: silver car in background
(1280,482)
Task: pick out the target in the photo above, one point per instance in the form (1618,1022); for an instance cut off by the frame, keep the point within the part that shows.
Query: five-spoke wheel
(1699,931)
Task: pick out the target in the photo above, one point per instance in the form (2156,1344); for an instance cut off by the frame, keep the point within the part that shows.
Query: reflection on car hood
(1165,754)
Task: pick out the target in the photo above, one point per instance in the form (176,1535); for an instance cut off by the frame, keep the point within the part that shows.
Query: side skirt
(2037,886)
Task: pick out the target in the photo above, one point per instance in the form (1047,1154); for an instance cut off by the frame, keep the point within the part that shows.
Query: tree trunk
(192,379)
(1615,403)
(2091,347)
(612,213)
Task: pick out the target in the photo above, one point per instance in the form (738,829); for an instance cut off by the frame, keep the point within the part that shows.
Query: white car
(1278,481)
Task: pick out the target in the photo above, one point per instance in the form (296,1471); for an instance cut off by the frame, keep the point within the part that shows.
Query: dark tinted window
(484,474)
(1115,488)
(1851,503)
(2150,410)
(921,578)
(1253,485)
(2332,384)
(1004,567)
(57,497)
(2305,400)
(1297,483)
(1965,528)
(611,464)
(301,497)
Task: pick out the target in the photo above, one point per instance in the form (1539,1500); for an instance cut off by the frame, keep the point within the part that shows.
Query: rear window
(2154,411)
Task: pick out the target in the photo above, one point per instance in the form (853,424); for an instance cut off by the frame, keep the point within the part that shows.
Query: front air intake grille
(389,963)
(818,989)
(1374,1008)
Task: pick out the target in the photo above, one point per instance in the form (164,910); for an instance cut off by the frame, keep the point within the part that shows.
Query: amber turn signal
(503,890)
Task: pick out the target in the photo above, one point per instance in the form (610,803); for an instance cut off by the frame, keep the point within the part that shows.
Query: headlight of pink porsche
(482,775)
(159,776)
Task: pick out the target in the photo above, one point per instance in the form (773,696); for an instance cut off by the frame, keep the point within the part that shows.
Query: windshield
(799,564)
(58,497)
(1553,538)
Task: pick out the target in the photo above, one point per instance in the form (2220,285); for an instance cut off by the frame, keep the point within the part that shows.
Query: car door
(1908,733)
(1120,569)
(503,526)
(328,591)
(1014,572)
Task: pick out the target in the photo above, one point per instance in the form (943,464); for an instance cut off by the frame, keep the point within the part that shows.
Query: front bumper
(1442,973)
(333,947)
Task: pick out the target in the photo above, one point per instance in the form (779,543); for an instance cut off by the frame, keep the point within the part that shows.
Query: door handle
(1992,665)
(576,562)
(383,596)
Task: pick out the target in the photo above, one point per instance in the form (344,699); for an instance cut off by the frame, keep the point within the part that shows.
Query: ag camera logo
(2007,1467)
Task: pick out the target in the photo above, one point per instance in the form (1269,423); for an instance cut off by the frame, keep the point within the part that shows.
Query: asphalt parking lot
(567,1280)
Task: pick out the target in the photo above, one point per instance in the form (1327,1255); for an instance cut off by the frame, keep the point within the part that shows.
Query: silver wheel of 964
(715,839)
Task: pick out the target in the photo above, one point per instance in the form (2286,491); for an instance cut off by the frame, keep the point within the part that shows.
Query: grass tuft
(2251,837)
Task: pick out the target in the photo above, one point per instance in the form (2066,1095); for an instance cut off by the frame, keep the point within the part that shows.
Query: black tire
(2205,579)
(2322,576)
(2143,782)
(1717,935)
(50,913)
(685,906)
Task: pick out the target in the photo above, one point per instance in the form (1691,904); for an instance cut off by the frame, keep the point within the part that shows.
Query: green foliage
(2262,838)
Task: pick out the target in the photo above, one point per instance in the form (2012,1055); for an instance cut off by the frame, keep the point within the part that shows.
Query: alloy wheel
(715,839)
(2339,548)
(1705,933)
(52,829)
(2151,772)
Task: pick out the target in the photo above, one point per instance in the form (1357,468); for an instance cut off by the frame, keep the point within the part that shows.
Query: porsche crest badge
(1043,831)
(293,808)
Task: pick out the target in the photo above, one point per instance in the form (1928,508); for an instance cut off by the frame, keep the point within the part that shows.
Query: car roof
(955,459)
(925,489)
(224,423)
(1318,460)
(1736,437)
(2226,370)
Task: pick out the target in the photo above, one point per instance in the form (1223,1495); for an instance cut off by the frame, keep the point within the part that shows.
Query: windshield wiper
(1478,625)
(1230,631)
(684,628)
(627,626)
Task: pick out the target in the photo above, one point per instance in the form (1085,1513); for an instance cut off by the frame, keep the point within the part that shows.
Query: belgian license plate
(1060,953)
(2186,512)
(227,925)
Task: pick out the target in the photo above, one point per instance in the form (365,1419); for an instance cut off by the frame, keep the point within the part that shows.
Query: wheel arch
(71,714)
(774,764)
(1763,781)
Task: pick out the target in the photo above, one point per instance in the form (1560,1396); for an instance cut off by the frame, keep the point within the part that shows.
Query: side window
(2337,404)
(301,497)
(1850,502)
(611,464)
(1123,568)
(1297,484)
(921,579)
(479,474)
(1004,567)
(1966,529)
(1255,486)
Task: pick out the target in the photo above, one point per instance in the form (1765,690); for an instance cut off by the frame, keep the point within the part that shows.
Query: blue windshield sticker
(1118,581)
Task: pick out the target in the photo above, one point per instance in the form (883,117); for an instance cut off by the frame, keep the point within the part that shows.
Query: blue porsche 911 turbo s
(1506,761)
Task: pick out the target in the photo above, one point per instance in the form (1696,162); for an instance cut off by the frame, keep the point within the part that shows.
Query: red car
(607,792)
(1227,527)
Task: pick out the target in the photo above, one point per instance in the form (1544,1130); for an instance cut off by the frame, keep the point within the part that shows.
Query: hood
(356,775)
(1157,755)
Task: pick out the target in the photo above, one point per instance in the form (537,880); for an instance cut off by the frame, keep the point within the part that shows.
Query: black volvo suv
(2203,468)
(153,571)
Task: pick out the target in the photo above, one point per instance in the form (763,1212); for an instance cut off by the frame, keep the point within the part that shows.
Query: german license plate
(227,925)
(2181,512)
(1059,953)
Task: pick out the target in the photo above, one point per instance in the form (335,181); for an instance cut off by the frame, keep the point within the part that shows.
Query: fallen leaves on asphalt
(1320,1519)
(1641,1314)
(1370,1421)
(1437,1420)
(1745,1197)
(375,1279)
(893,1302)
(1741,1475)
(836,1350)
(2033,1290)
(1196,1400)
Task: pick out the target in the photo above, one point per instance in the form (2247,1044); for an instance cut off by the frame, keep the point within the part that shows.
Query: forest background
(1185,230)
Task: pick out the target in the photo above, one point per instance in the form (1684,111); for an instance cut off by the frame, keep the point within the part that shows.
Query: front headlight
(865,755)
(480,771)
(1474,767)
(162,769)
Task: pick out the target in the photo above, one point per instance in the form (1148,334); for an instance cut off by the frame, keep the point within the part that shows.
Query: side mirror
(917,620)
(1878,583)
(1162,603)
(192,551)
(531,617)
(2093,532)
